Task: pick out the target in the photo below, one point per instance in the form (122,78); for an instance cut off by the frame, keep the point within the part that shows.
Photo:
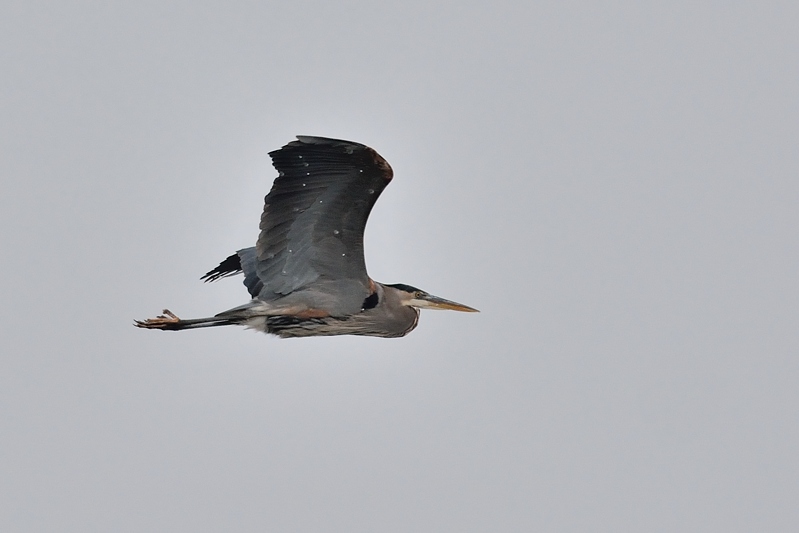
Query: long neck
(392,313)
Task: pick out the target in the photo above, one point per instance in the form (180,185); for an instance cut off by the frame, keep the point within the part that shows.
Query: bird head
(413,297)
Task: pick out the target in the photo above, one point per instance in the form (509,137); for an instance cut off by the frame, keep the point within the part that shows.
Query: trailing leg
(170,321)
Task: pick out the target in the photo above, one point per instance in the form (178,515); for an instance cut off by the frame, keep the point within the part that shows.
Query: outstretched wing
(315,215)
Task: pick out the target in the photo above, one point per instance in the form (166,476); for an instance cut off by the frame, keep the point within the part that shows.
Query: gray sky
(613,184)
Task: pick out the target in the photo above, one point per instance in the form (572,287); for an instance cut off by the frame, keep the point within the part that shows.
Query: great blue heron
(306,274)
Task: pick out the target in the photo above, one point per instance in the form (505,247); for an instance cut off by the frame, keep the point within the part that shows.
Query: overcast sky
(614,185)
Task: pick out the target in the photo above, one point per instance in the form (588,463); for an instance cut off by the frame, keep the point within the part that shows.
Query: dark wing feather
(229,267)
(314,217)
(244,261)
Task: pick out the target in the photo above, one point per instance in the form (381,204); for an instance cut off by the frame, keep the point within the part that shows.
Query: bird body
(393,318)
(306,274)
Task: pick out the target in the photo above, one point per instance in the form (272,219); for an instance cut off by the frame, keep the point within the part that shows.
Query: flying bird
(306,273)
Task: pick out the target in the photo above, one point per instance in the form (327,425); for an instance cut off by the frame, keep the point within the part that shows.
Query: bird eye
(418,294)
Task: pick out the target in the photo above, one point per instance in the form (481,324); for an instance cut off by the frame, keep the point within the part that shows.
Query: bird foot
(160,322)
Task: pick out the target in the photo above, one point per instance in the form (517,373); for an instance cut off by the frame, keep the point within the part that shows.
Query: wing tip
(348,146)
(229,267)
(313,139)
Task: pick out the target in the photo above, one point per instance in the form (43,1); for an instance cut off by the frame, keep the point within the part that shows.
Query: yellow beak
(429,301)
